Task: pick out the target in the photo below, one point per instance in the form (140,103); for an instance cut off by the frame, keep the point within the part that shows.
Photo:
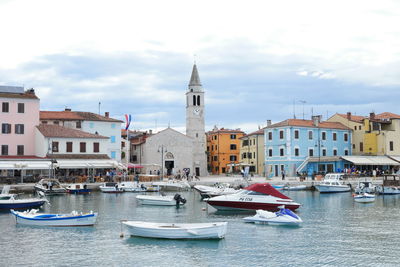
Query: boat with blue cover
(281,217)
(59,220)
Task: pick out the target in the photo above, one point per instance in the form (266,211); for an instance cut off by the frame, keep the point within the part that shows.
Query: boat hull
(361,199)
(21,204)
(387,190)
(48,192)
(271,221)
(156,200)
(78,191)
(294,188)
(177,231)
(84,220)
(111,190)
(332,188)
(242,205)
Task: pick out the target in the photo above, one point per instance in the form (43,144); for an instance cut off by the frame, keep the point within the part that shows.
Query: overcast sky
(257,60)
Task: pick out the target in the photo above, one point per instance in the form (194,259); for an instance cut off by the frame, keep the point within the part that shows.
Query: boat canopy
(266,188)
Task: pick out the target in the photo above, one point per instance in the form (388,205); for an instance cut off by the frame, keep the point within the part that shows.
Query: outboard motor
(179,200)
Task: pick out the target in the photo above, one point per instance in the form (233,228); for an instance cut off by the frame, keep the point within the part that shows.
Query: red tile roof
(258,132)
(74,115)
(354,118)
(223,130)
(387,115)
(77,156)
(49,130)
(26,95)
(309,123)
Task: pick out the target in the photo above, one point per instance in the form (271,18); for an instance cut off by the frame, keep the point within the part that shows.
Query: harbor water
(336,232)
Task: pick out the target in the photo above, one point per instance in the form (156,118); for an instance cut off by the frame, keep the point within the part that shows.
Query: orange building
(223,147)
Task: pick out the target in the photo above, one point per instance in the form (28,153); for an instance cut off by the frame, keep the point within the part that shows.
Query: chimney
(349,115)
(30,91)
(269,123)
(316,120)
(67,109)
(150,131)
(107,114)
(372,115)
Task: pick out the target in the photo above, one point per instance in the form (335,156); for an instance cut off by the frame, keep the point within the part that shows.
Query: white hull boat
(333,183)
(111,188)
(210,191)
(172,185)
(282,217)
(365,186)
(160,200)
(215,230)
(294,187)
(364,198)
(388,190)
(50,187)
(60,220)
(133,187)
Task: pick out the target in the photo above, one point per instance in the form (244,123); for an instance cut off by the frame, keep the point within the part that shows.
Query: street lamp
(162,149)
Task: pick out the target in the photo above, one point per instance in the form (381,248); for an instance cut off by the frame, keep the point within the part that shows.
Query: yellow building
(252,152)
(223,149)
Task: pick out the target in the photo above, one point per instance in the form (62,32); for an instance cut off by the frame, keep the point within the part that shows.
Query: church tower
(195,127)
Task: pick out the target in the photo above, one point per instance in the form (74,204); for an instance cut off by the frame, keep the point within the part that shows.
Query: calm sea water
(336,232)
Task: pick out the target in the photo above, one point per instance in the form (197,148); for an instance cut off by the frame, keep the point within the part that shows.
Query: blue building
(312,146)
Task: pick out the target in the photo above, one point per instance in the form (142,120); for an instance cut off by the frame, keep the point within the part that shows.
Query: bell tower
(195,126)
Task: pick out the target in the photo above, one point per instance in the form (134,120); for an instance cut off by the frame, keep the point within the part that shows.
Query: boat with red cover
(254,197)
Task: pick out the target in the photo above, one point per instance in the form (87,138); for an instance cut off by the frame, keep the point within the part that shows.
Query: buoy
(121,235)
(203,209)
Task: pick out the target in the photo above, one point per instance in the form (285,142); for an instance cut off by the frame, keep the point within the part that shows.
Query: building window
(44,122)
(359,127)
(334,136)
(54,146)
(270,136)
(354,146)
(281,134)
(20,150)
(4,150)
(91,125)
(112,138)
(5,128)
(78,124)
(21,108)
(5,107)
(194,100)
(324,152)
(323,135)
(96,147)
(346,152)
(215,158)
(69,147)
(232,158)
(281,152)
(19,128)
(215,137)
(113,154)
(233,147)
(56,122)
(270,152)
(391,145)
(245,142)
(310,135)
(82,146)
(355,128)
(311,152)
(296,134)
(335,152)
(113,125)
(361,147)
(233,136)
(216,147)
(249,155)
(198,100)
(346,137)
(297,152)
(244,155)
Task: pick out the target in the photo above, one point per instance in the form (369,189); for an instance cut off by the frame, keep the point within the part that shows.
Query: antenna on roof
(194,58)
(294,108)
(99,107)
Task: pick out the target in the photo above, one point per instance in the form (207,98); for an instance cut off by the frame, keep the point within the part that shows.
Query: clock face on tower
(196,111)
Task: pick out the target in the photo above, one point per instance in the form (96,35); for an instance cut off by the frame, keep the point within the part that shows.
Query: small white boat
(211,191)
(111,187)
(78,189)
(215,230)
(281,217)
(365,185)
(364,198)
(44,219)
(172,185)
(160,200)
(390,186)
(50,187)
(133,187)
(294,187)
(11,201)
(333,183)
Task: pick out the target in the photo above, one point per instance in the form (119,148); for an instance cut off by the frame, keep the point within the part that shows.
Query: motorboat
(390,185)
(111,187)
(172,185)
(133,187)
(5,193)
(50,186)
(45,219)
(364,198)
(161,200)
(281,217)
(11,201)
(294,187)
(211,191)
(254,197)
(365,186)
(78,189)
(215,230)
(333,183)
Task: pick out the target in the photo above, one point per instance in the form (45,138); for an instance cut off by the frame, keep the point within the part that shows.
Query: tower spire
(195,79)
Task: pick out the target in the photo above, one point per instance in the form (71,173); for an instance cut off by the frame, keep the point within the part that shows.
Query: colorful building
(223,149)
(252,152)
(295,146)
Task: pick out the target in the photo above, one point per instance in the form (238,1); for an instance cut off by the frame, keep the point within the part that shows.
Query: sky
(257,60)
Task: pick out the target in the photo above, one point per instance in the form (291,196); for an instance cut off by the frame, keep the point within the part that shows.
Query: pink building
(19,116)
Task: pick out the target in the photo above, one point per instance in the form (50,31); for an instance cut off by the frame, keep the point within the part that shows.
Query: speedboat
(254,197)
(211,191)
(294,187)
(133,187)
(333,183)
(172,185)
(111,187)
(364,198)
(365,186)
(11,201)
(216,230)
(281,217)
(50,187)
(389,186)
(78,189)
(44,219)
(160,200)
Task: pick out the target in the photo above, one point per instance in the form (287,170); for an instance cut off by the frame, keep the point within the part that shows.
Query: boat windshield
(248,192)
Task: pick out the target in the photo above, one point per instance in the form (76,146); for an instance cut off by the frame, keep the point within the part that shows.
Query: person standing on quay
(283,174)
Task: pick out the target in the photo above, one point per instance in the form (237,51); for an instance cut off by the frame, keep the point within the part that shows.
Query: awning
(26,165)
(371,160)
(135,166)
(87,164)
